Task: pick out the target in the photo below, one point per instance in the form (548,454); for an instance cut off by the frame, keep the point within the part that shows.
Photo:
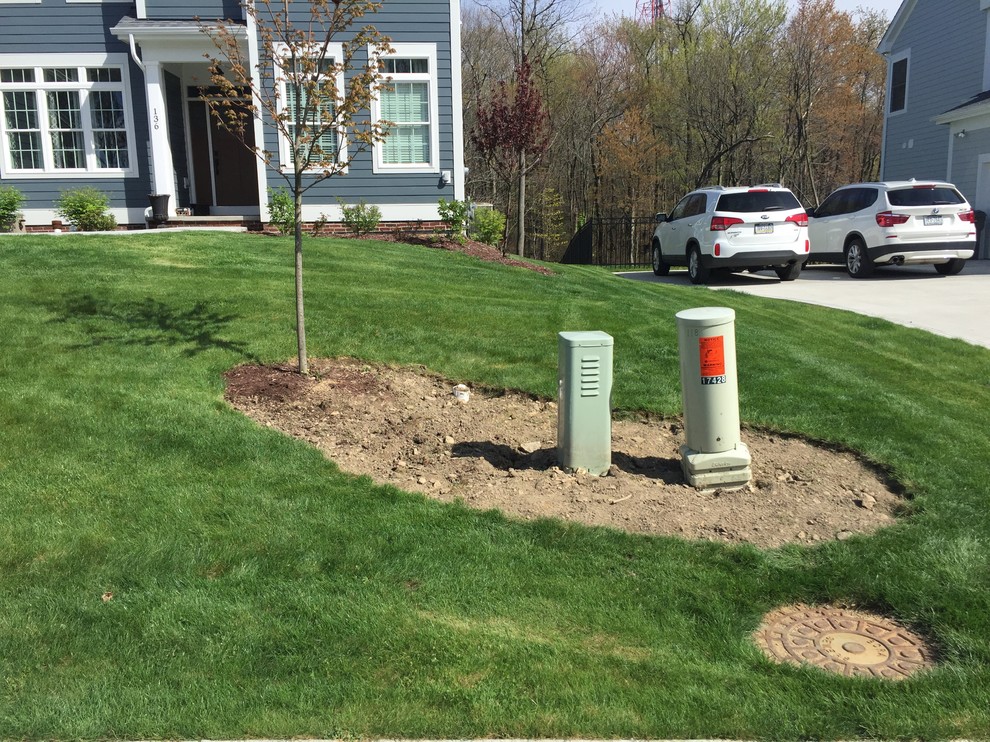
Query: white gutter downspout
(134,53)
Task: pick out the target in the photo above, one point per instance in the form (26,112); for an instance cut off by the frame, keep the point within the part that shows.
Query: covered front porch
(205,171)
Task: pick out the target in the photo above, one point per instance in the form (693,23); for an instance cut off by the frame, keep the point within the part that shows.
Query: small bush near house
(319,225)
(360,218)
(282,209)
(454,213)
(10,203)
(87,209)
(487,225)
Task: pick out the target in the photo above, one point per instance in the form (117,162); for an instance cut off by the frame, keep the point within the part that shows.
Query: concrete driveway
(914,296)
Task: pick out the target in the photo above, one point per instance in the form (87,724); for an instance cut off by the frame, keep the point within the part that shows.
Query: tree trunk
(300,314)
(521,205)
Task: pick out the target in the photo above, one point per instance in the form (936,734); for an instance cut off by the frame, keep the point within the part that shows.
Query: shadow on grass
(149,322)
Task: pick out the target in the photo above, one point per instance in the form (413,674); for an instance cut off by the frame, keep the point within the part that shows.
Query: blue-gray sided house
(937,122)
(107,94)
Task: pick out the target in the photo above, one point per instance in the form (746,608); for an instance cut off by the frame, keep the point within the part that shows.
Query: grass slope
(260,592)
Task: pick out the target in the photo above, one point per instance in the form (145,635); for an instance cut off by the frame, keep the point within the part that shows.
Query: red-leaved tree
(512,133)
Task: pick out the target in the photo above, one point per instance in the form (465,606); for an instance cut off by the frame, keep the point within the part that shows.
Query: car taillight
(722,223)
(968,216)
(890,219)
(800,219)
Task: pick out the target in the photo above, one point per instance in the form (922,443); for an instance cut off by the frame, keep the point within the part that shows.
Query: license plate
(763,229)
(932,221)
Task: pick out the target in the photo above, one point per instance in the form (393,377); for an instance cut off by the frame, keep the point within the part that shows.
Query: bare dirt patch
(498,450)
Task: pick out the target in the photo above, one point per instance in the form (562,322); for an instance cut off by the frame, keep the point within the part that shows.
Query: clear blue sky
(628,7)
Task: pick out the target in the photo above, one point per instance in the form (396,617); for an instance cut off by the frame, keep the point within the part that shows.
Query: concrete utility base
(728,469)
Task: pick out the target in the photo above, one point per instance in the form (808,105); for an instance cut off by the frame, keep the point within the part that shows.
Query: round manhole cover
(843,641)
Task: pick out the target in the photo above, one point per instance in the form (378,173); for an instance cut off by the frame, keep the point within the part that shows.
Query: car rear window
(758,201)
(924,196)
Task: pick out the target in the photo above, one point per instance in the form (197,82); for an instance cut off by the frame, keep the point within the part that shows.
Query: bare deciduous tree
(318,104)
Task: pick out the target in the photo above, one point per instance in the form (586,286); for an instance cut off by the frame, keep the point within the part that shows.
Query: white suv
(896,223)
(754,227)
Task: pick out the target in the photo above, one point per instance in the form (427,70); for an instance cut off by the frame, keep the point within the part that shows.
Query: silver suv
(751,228)
(906,222)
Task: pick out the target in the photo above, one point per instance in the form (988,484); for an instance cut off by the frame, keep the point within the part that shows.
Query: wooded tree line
(634,114)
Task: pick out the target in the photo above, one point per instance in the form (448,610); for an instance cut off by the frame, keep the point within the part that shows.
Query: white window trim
(20,2)
(335,52)
(891,61)
(96,2)
(79,61)
(420,51)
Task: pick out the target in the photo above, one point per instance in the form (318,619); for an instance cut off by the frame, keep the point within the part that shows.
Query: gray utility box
(584,401)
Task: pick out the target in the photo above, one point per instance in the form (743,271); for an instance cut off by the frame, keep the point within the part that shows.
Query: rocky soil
(498,450)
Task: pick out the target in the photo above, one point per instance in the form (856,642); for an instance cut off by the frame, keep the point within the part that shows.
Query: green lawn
(260,592)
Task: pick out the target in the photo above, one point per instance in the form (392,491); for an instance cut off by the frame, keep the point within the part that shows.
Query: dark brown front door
(225,171)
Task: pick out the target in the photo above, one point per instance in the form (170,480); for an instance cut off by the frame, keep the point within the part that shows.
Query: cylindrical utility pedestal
(584,393)
(713,455)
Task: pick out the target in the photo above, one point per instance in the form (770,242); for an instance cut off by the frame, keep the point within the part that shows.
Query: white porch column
(162,172)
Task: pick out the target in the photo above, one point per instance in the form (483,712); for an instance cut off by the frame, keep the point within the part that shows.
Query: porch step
(229,223)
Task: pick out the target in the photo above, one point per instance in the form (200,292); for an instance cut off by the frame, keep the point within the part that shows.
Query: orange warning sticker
(712,356)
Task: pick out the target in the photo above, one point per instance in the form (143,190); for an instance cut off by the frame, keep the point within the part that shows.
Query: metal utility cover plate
(842,641)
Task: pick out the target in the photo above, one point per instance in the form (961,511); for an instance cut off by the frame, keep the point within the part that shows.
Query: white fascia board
(970,115)
(173,44)
(160,33)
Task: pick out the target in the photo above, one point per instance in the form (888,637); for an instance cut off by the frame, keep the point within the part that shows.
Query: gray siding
(55,25)
(188,9)
(403,21)
(60,28)
(965,160)
(946,39)
(79,28)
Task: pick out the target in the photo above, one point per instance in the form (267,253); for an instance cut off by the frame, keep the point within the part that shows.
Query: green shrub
(360,218)
(87,209)
(320,224)
(282,208)
(487,225)
(10,204)
(454,213)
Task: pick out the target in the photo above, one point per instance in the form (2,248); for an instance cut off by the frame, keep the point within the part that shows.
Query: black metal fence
(612,240)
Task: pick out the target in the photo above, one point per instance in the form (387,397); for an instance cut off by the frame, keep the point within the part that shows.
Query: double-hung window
(63,115)
(323,145)
(897,99)
(409,104)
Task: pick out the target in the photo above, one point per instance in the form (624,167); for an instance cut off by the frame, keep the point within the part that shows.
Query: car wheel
(951,268)
(660,268)
(788,272)
(697,272)
(858,263)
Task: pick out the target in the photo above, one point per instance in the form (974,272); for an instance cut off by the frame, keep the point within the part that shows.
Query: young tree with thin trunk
(512,132)
(319,104)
